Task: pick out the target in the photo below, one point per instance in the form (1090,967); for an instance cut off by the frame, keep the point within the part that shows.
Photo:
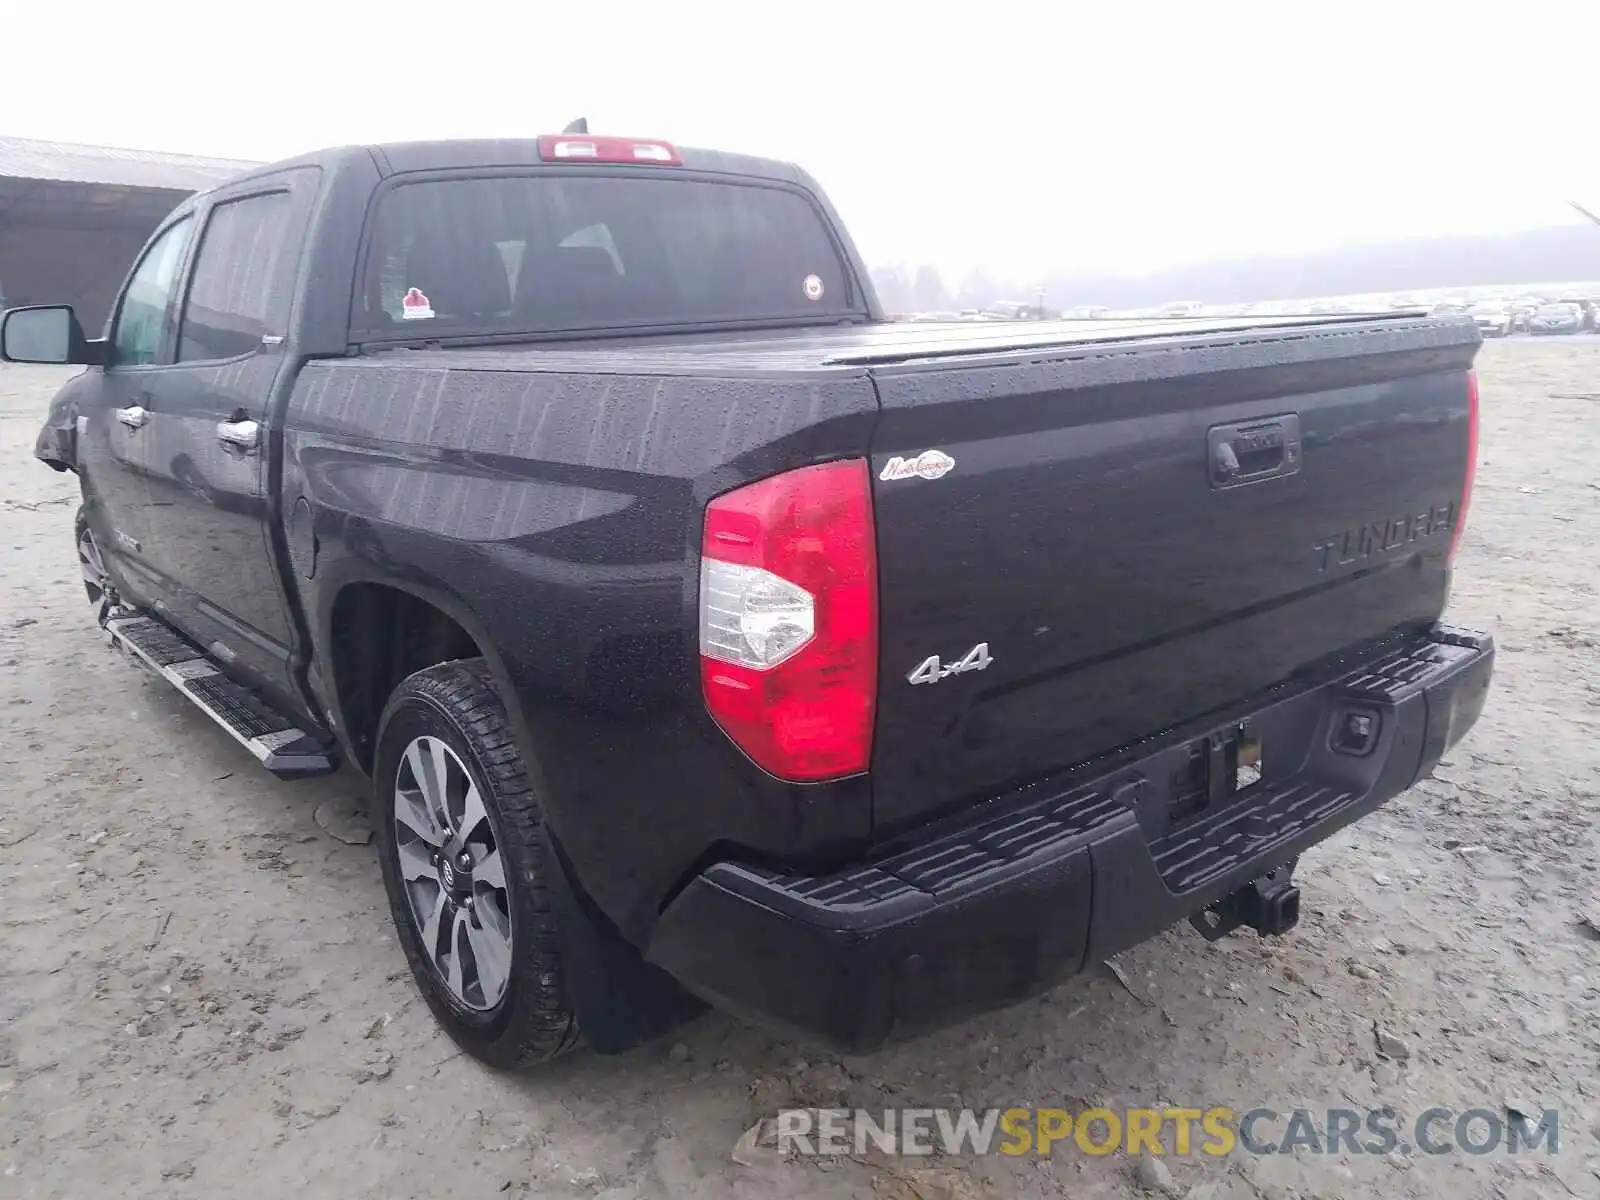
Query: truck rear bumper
(973,916)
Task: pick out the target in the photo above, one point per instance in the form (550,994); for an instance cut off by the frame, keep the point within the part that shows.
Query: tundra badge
(930,464)
(931,670)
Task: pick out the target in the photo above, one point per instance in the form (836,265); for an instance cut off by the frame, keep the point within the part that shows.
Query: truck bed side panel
(558,515)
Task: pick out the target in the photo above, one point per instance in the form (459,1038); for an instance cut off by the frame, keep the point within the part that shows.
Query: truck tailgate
(1114,539)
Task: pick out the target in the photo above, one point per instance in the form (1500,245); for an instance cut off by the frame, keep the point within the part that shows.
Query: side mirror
(49,334)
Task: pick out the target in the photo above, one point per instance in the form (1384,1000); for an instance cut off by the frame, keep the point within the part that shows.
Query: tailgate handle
(1252,451)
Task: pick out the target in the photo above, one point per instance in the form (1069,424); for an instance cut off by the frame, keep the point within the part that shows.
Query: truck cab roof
(396,158)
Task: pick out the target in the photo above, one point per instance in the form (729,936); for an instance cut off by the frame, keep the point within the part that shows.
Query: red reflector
(580,147)
(1472,463)
(789,620)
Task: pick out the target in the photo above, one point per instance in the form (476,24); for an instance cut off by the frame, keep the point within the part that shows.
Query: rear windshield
(453,257)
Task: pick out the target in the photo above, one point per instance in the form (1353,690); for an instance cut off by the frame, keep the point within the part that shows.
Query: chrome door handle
(133,416)
(239,435)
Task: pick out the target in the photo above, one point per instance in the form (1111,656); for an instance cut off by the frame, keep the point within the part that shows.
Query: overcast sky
(1104,137)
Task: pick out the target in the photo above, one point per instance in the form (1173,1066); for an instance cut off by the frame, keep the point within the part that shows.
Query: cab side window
(243,279)
(145,318)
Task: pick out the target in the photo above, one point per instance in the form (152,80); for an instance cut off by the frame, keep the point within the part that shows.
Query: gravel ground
(200,994)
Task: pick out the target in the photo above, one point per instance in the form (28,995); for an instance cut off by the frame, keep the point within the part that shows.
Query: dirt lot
(200,994)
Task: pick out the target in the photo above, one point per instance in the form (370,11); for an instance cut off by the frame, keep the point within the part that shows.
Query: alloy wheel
(453,873)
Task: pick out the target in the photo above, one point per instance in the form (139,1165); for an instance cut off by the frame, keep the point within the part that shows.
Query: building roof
(21,158)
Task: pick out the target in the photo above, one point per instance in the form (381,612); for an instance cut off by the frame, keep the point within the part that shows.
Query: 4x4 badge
(932,670)
(930,464)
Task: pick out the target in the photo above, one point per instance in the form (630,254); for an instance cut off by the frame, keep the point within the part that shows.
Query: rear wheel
(464,852)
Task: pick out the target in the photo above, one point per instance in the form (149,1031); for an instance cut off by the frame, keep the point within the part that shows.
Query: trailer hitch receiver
(1269,905)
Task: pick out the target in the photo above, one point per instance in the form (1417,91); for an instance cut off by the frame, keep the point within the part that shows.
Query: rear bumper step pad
(992,906)
(285,750)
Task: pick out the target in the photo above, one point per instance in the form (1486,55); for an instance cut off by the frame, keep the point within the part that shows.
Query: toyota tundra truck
(704,637)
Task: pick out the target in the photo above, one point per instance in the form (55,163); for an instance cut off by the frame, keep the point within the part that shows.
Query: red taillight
(1472,463)
(789,620)
(580,147)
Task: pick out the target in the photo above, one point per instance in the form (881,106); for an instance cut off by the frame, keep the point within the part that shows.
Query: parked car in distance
(1015,310)
(1587,311)
(1561,318)
(699,635)
(1522,310)
(1493,318)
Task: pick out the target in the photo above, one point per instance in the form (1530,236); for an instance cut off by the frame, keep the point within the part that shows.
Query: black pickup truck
(707,637)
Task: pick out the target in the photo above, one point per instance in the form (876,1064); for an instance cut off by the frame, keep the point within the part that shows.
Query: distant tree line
(904,288)
(1559,252)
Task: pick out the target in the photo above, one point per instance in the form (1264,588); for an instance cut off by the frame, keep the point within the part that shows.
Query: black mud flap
(621,1000)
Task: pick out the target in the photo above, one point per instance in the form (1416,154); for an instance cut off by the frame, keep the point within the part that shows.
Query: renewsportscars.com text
(1165,1131)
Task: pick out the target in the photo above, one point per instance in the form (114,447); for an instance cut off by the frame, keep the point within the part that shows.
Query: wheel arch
(347,647)
(620,999)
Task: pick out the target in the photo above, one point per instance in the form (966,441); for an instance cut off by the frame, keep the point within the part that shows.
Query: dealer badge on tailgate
(930,464)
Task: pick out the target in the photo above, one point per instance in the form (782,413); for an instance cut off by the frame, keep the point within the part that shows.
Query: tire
(90,563)
(511,1008)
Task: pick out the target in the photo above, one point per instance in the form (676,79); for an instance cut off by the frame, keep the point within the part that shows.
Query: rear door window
(242,280)
(549,252)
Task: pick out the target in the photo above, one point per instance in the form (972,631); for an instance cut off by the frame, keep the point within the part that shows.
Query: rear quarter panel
(557,517)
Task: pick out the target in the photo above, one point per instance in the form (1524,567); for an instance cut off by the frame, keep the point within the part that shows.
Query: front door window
(144,322)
